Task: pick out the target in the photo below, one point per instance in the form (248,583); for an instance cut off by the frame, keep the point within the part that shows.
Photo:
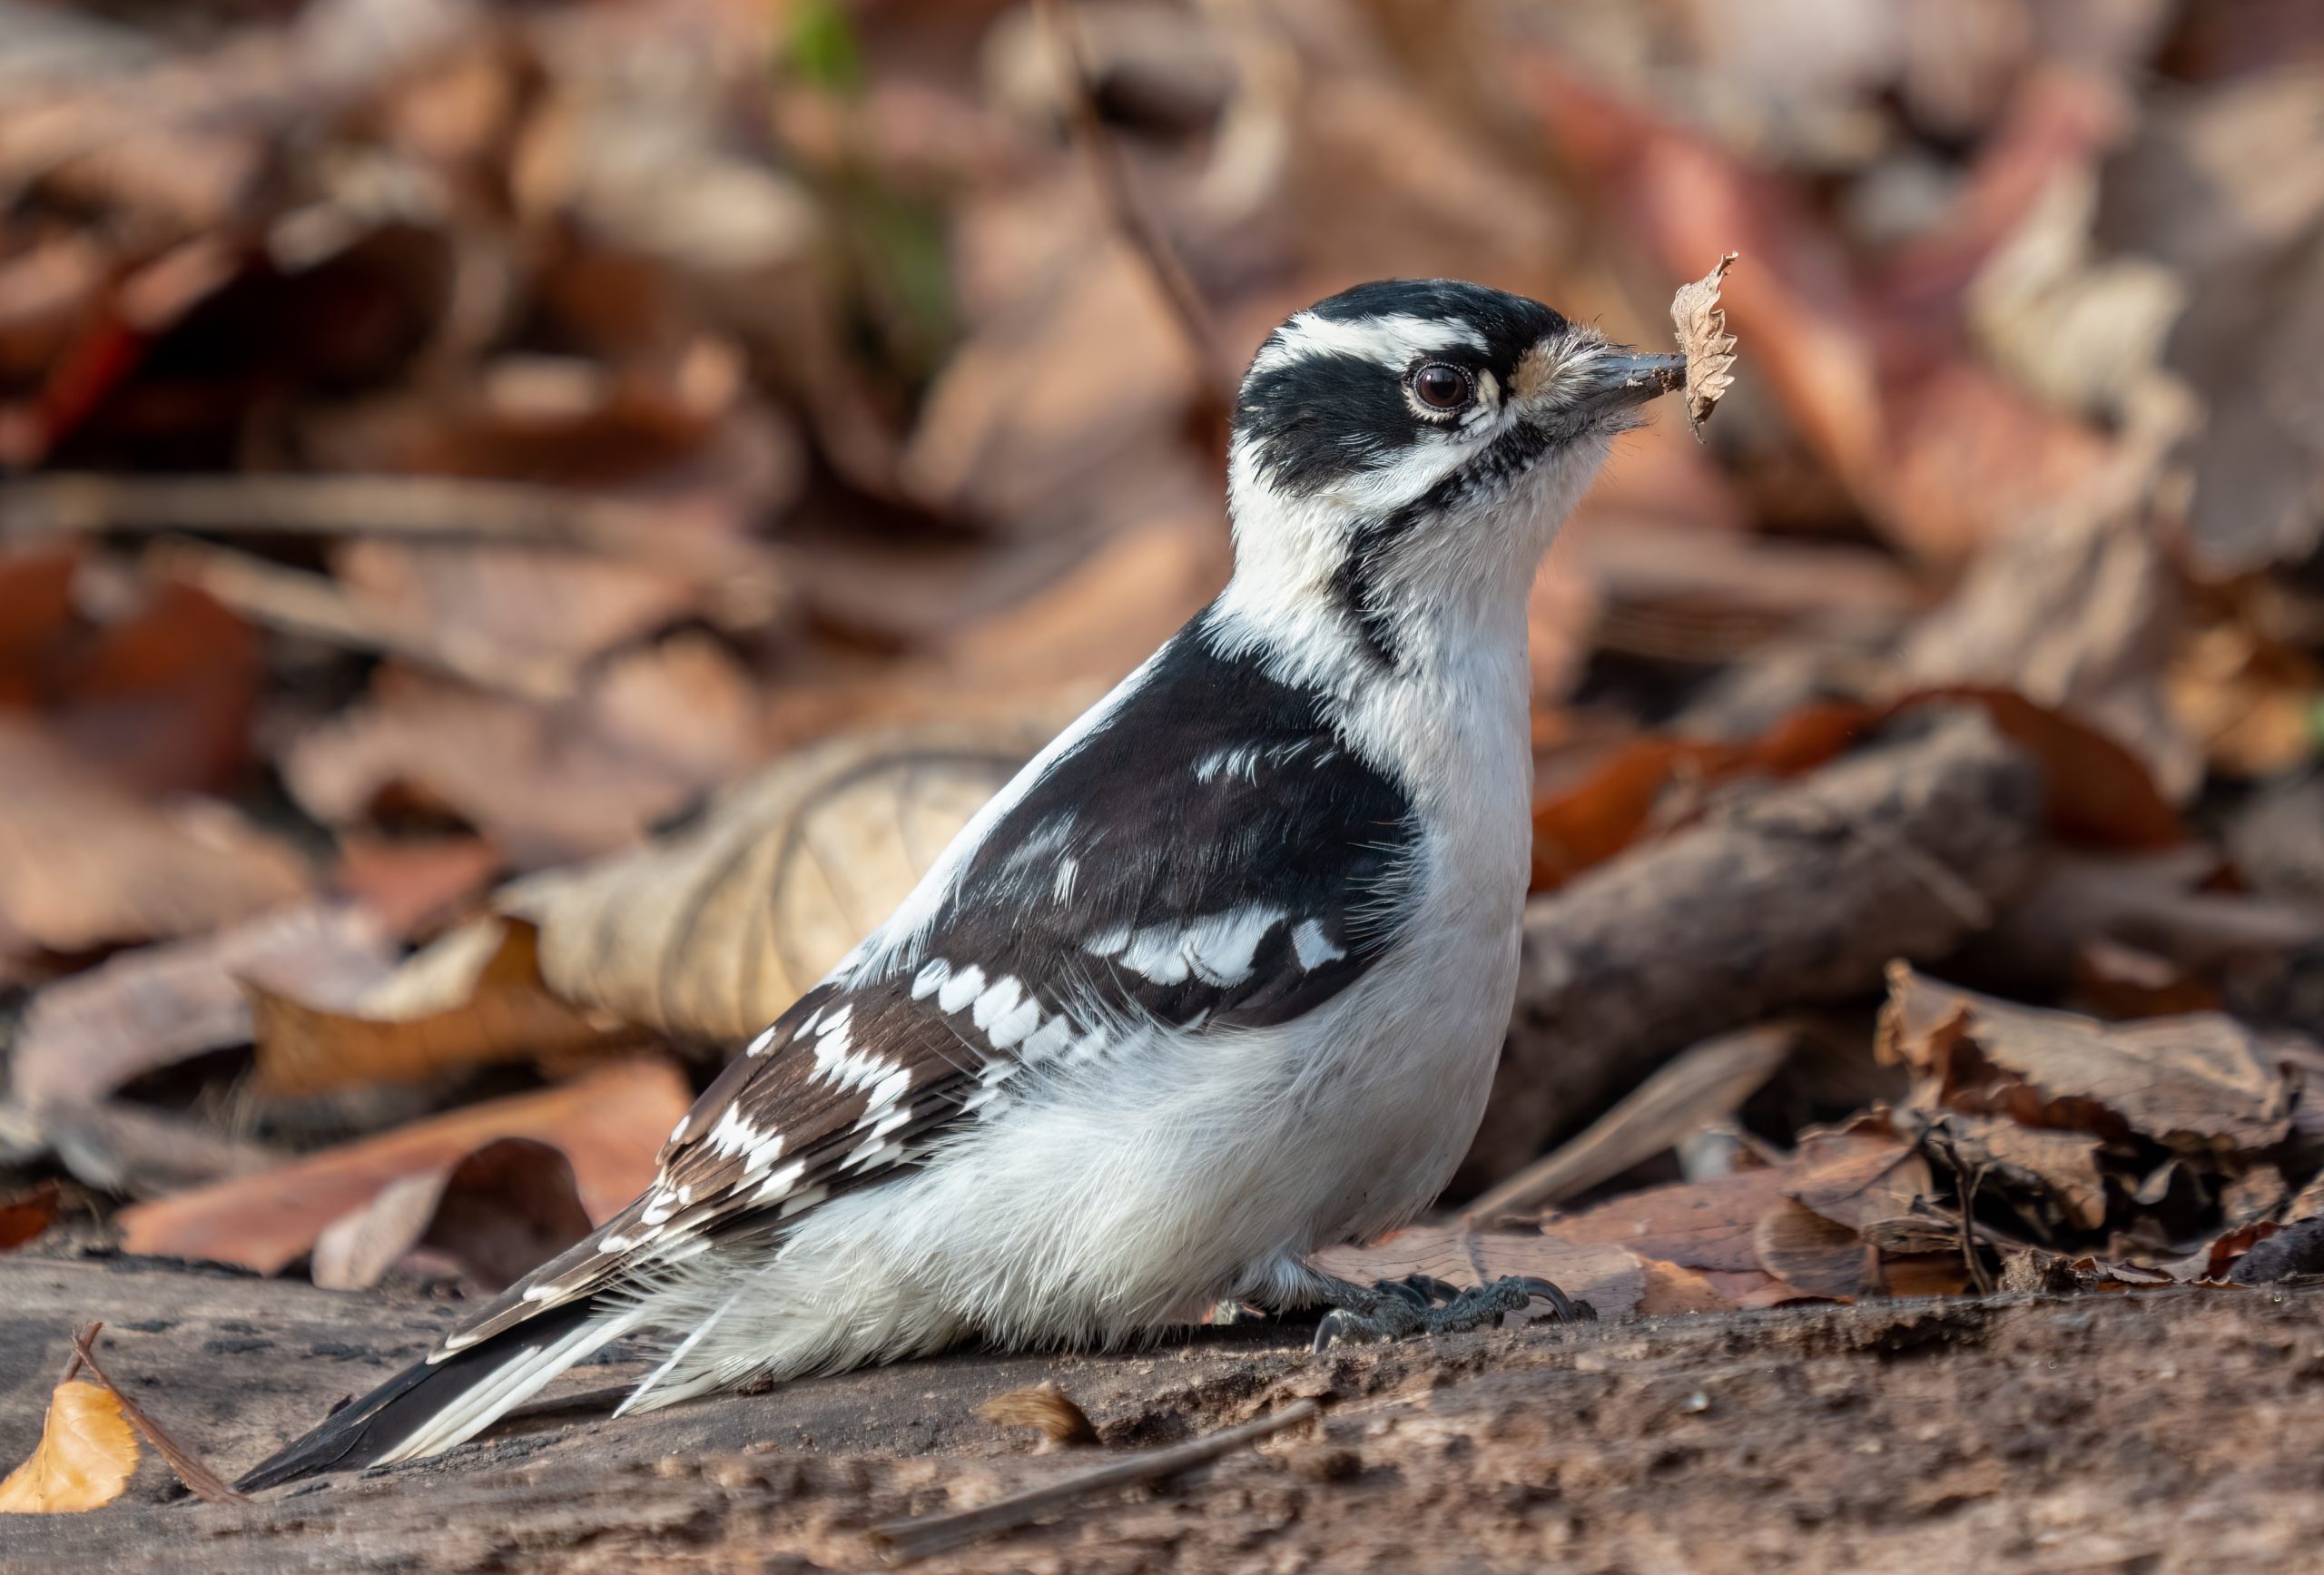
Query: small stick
(205,1483)
(903,1541)
(1704,1085)
(746,576)
(1162,265)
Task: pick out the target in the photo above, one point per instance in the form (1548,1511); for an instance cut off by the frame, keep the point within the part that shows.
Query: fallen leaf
(2061,1166)
(2200,1083)
(1812,1254)
(652,731)
(83,1460)
(473,999)
(2079,615)
(610,1125)
(496,1214)
(1703,338)
(1704,1226)
(86,1036)
(25,1216)
(83,864)
(1672,1289)
(1611,1279)
(714,930)
(1044,1407)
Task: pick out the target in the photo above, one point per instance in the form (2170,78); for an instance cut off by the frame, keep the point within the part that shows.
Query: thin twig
(903,1541)
(200,1480)
(746,576)
(1704,1085)
(1112,176)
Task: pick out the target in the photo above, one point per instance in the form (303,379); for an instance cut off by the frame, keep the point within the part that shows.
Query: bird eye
(1441,386)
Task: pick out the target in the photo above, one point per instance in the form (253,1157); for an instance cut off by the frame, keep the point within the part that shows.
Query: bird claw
(1421,1305)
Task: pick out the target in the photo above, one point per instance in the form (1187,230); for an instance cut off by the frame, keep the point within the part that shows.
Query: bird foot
(1421,1305)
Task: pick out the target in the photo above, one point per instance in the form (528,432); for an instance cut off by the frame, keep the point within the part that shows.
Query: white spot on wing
(930,978)
(780,1184)
(761,1044)
(1046,1041)
(1311,946)
(996,1002)
(807,1199)
(960,989)
(1061,889)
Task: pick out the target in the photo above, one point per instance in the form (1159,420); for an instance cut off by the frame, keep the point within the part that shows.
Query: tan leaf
(2199,1083)
(1043,1407)
(610,1124)
(1709,348)
(714,931)
(84,1457)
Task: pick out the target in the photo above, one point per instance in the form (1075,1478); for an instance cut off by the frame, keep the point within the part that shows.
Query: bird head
(1403,452)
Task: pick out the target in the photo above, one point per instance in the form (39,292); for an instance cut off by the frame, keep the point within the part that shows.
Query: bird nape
(1217,979)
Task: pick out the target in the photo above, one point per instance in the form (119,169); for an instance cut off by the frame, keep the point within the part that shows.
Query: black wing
(1204,853)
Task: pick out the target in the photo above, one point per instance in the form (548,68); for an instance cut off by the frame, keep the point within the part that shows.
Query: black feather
(359,1434)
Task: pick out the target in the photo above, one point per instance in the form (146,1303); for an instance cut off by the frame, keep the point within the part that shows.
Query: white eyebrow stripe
(1394,338)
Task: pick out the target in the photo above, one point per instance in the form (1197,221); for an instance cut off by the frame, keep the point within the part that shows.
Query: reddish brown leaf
(496,1215)
(610,1125)
(1705,1226)
(25,1216)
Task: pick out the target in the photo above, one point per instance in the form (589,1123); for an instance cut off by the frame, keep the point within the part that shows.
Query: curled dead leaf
(83,1460)
(2197,1083)
(1045,1408)
(1709,348)
(27,1215)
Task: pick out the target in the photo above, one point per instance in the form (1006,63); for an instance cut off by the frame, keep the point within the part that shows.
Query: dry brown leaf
(610,1125)
(1805,1250)
(651,733)
(1611,1279)
(1859,1176)
(473,999)
(83,1460)
(1672,1289)
(2200,1083)
(1044,1407)
(714,930)
(2062,1166)
(1703,338)
(25,1216)
(496,1215)
(83,864)
(86,1036)
(1705,1226)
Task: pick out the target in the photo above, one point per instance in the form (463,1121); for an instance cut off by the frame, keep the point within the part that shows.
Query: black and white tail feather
(1219,978)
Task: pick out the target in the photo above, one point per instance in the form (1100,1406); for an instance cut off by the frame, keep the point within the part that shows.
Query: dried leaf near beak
(1703,338)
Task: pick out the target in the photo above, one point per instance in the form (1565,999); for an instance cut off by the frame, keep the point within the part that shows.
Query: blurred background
(524,526)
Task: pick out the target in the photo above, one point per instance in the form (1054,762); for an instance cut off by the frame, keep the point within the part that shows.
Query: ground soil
(2151,1431)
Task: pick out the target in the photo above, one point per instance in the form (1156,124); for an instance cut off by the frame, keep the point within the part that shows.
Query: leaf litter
(471,657)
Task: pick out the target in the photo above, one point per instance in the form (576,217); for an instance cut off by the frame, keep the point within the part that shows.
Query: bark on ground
(2156,1432)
